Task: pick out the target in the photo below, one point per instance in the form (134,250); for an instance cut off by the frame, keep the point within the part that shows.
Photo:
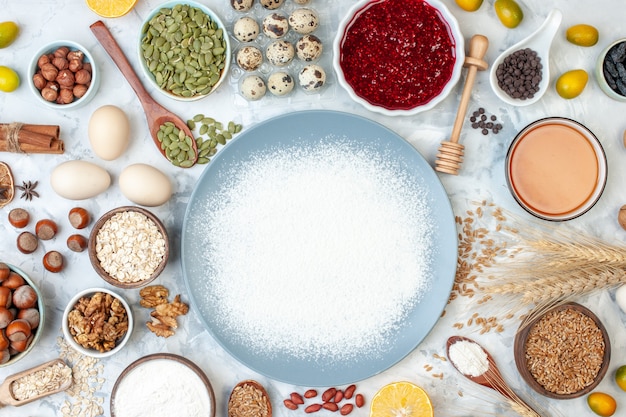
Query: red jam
(397,54)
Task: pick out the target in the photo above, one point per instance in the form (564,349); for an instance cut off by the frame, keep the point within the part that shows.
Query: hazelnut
(66,96)
(24,296)
(72,55)
(75,65)
(39,81)
(18,329)
(65,78)
(87,66)
(44,59)
(82,76)
(49,71)
(13,281)
(62,52)
(49,94)
(60,63)
(621,216)
(31,315)
(80,90)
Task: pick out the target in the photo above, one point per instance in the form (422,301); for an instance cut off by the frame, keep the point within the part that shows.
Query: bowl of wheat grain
(563,352)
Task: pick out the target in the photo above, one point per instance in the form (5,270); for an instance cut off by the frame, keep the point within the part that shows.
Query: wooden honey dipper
(450,154)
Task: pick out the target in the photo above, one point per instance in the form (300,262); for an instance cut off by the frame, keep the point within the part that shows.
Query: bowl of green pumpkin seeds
(184,50)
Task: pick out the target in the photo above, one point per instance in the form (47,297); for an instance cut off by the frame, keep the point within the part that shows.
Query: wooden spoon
(259,387)
(491,378)
(155,113)
(450,154)
(6,395)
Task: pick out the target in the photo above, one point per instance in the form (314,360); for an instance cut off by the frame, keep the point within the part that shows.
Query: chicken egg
(109,132)
(79,180)
(145,185)
(620,297)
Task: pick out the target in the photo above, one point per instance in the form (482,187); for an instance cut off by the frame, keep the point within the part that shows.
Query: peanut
(313,408)
(310,393)
(296,398)
(346,409)
(329,394)
(338,396)
(359,400)
(290,405)
(349,392)
(330,406)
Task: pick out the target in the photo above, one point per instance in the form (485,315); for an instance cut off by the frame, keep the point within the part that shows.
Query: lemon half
(111,8)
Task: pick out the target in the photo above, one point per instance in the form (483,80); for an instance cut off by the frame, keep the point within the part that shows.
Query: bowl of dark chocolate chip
(611,70)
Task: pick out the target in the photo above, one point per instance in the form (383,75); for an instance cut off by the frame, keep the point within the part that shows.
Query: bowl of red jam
(398,57)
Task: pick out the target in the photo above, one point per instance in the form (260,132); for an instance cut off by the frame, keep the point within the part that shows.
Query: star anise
(28,190)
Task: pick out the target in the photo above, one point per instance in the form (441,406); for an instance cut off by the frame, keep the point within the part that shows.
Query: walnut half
(163,317)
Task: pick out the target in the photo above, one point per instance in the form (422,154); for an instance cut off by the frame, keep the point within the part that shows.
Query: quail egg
(249,58)
(280,83)
(304,20)
(272,4)
(309,48)
(246,29)
(312,78)
(253,87)
(280,53)
(275,25)
(242,5)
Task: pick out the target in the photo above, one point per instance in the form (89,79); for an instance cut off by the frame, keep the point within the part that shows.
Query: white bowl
(92,352)
(74,46)
(215,18)
(459,51)
(600,73)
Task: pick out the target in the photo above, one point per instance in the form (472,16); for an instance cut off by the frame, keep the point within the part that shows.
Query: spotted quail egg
(280,83)
(275,25)
(246,29)
(272,4)
(303,20)
(253,87)
(249,58)
(312,78)
(280,52)
(309,48)
(242,5)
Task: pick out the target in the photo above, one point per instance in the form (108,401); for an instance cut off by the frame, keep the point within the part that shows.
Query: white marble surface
(481,178)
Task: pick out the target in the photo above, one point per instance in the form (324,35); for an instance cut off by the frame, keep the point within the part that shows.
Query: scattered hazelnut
(83,76)
(19,218)
(65,78)
(80,90)
(77,243)
(60,63)
(49,71)
(39,81)
(53,261)
(621,216)
(26,243)
(79,217)
(44,59)
(62,52)
(46,229)
(75,65)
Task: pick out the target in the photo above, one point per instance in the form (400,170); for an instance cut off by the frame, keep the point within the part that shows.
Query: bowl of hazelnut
(97,322)
(21,314)
(63,75)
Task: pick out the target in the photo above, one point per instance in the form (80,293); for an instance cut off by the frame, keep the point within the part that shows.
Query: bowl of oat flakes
(128,247)
(97,322)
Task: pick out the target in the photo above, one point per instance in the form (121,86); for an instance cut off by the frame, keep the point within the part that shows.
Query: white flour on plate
(318,251)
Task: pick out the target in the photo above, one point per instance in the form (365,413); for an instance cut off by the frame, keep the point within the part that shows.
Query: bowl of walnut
(128,247)
(63,75)
(97,322)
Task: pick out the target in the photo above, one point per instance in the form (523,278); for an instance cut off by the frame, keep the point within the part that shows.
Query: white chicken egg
(620,297)
(79,180)
(145,185)
(109,132)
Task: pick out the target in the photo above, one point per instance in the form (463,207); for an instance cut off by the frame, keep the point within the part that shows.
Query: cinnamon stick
(30,138)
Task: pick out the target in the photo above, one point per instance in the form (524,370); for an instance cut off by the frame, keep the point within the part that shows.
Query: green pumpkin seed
(186,164)
(203,161)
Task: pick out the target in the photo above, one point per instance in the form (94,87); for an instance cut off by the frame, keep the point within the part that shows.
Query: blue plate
(297,129)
